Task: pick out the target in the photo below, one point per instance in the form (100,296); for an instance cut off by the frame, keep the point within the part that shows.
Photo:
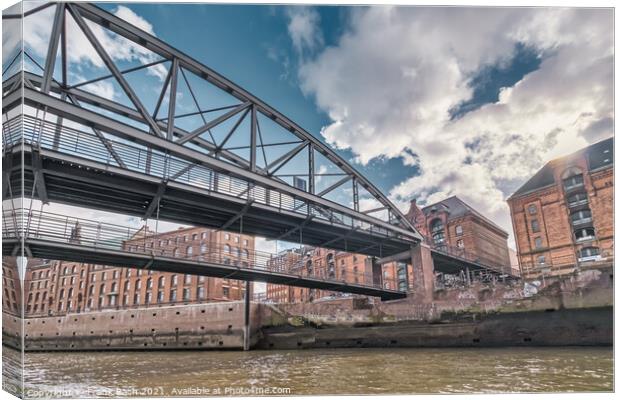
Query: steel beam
(345,236)
(113,69)
(311,172)
(174,68)
(240,214)
(230,133)
(295,229)
(156,199)
(83,253)
(246,317)
(97,132)
(37,167)
(334,186)
(284,158)
(156,45)
(211,124)
(253,125)
(90,118)
(52,48)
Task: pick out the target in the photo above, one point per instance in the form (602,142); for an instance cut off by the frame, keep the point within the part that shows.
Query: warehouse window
(538,242)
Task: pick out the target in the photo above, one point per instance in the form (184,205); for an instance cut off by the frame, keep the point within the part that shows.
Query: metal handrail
(32,224)
(51,136)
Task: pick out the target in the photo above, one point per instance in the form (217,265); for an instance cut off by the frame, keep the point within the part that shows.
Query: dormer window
(572,178)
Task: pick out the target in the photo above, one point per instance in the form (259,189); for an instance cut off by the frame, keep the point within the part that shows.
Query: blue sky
(427,102)
(251,45)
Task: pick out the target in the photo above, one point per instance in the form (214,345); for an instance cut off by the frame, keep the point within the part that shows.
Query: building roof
(598,155)
(458,208)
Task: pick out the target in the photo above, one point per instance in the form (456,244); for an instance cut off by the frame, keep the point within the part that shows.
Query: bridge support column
(246,318)
(377,272)
(423,272)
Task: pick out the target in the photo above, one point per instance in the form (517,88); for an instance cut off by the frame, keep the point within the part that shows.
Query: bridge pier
(246,318)
(423,271)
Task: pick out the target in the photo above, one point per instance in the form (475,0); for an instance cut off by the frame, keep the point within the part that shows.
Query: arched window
(226,248)
(102,288)
(149,283)
(175,252)
(69,293)
(189,251)
(126,286)
(162,280)
(572,178)
(60,296)
(91,290)
(174,280)
(137,285)
(113,288)
(203,248)
(458,230)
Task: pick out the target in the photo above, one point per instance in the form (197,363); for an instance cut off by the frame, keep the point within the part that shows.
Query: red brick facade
(325,263)
(454,224)
(566,220)
(59,287)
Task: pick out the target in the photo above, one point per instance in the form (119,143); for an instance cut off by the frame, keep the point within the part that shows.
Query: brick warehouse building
(58,287)
(563,216)
(308,261)
(450,223)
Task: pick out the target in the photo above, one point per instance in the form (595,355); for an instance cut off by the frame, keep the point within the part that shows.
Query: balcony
(577,203)
(592,258)
(581,221)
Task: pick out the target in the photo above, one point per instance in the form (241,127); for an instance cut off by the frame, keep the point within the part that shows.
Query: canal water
(304,372)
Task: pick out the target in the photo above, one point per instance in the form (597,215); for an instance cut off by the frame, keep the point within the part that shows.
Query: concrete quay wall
(208,326)
(576,310)
(567,327)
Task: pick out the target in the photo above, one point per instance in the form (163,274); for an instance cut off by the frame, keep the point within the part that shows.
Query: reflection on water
(329,371)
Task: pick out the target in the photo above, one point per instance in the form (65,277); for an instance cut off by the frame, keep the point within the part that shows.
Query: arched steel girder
(166,136)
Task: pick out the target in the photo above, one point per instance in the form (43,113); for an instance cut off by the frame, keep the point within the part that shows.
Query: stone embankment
(577,310)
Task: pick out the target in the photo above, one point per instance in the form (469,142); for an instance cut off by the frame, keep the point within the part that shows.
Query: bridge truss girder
(108,120)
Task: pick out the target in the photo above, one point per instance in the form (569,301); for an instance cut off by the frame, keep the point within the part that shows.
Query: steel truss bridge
(177,142)
(54,236)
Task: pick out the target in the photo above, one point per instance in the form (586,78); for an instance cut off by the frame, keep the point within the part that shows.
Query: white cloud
(303,27)
(393,77)
(81,54)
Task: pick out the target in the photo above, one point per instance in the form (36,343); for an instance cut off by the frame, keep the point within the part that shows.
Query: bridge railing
(463,254)
(32,224)
(65,139)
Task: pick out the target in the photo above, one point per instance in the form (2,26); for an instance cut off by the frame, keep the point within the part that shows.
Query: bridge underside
(450,264)
(79,253)
(76,181)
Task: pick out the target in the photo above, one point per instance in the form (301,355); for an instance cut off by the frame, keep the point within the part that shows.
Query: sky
(427,102)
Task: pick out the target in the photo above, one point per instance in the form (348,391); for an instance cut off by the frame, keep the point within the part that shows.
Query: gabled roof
(458,208)
(598,155)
